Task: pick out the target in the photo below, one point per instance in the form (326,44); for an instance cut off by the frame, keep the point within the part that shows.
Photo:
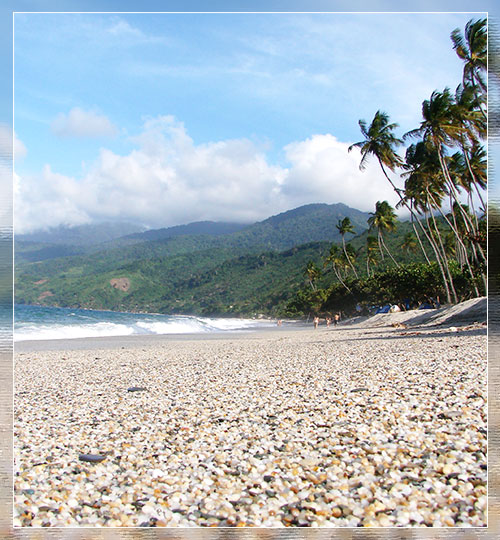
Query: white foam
(174,325)
(30,333)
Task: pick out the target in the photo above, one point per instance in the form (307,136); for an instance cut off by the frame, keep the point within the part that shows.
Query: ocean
(44,323)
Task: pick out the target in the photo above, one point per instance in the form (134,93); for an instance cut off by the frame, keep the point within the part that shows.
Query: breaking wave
(41,323)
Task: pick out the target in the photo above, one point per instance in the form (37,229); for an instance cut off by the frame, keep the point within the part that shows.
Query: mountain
(309,223)
(80,235)
(223,268)
(209,228)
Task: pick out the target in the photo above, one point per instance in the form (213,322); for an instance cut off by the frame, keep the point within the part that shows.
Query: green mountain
(251,270)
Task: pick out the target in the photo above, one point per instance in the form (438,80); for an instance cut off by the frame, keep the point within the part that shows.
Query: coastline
(340,427)
(146,340)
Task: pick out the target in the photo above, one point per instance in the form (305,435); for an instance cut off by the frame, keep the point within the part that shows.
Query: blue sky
(168,118)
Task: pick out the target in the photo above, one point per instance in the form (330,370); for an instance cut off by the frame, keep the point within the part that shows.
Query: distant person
(279,322)
(316,322)
(336,319)
(328,322)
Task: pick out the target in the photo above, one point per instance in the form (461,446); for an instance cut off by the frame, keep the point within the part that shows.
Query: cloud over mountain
(168,179)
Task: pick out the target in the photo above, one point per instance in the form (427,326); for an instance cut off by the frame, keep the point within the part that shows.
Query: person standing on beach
(336,319)
(316,322)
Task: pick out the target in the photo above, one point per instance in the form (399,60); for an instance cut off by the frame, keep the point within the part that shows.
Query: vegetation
(317,258)
(443,173)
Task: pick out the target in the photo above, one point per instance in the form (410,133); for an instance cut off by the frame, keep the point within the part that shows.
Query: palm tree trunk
(457,235)
(473,177)
(428,235)
(408,207)
(379,237)
(419,239)
(337,273)
(389,253)
(453,193)
(347,257)
(445,259)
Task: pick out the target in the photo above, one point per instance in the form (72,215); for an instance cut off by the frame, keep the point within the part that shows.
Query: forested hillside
(254,269)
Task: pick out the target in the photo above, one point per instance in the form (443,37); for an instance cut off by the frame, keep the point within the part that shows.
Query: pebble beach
(335,427)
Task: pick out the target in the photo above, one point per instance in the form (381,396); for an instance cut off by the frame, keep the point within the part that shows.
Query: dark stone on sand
(360,389)
(91,458)
(136,389)
(449,415)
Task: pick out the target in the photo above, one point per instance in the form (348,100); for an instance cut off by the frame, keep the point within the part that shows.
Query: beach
(381,424)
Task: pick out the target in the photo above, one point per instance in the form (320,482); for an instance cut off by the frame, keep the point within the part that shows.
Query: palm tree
(350,256)
(371,252)
(439,129)
(335,260)
(424,187)
(313,273)
(409,243)
(472,48)
(380,142)
(478,167)
(344,226)
(384,220)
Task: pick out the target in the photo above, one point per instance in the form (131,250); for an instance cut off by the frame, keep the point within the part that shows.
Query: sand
(368,424)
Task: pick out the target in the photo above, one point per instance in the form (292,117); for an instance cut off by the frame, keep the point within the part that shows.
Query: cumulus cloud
(81,123)
(167,179)
(322,169)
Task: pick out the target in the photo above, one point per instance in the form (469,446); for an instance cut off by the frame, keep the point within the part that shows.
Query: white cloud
(47,200)
(81,123)
(322,169)
(168,179)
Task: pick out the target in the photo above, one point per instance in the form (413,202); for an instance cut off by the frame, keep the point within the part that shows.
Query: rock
(136,389)
(91,458)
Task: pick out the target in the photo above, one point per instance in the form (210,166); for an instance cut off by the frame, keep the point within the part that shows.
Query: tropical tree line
(440,183)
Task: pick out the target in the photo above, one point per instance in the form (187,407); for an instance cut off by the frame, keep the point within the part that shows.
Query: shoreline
(340,427)
(142,340)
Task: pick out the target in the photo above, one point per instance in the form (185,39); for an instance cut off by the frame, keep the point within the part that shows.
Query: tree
(409,243)
(313,273)
(379,142)
(438,129)
(344,226)
(425,188)
(472,48)
(383,220)
(335,260)
(371,253)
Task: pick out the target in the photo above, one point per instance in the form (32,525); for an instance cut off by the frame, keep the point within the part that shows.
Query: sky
(163,119)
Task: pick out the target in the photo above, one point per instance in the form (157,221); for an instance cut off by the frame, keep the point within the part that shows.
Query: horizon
(168,119)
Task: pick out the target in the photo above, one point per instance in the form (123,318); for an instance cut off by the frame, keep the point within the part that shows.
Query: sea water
(41,323)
